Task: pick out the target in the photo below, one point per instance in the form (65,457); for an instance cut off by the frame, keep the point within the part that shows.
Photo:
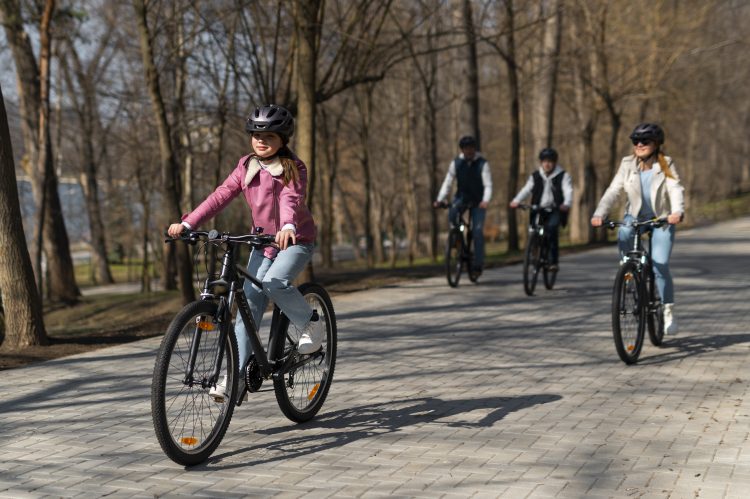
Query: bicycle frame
(232,276)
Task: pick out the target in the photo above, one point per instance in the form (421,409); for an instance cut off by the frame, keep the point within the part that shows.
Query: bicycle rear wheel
(454,257)
(469,259)
(655,314)
(189,423)
(303,385)
(531,264)
(628,313)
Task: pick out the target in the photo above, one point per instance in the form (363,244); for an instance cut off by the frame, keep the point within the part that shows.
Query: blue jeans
(661,249)
(477,227)
(277,276)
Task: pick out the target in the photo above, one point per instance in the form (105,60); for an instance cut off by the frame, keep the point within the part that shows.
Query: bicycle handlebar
(536,207)
(193,236)
(652,223)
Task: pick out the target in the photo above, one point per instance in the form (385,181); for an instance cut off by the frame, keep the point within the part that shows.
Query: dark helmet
(467,141)
(271,118)
(648,131)
(548,153)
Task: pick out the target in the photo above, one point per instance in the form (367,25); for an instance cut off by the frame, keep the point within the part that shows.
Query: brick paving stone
(477,391)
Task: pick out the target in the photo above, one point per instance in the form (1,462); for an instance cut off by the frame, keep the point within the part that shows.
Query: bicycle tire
(453,257)
(301,392)
(469,259)
(531,264)
(628,313)
(655,314)
(188,422)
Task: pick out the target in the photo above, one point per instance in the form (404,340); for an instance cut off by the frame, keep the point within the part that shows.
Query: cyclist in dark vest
(550,187)
(474,192)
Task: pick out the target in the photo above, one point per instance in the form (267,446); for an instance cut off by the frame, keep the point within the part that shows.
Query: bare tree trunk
(411,211)
(33,87)
(87,111)
(21,302)
(472,75)
(515,125)
(308,17)
(169,166)
(545,84)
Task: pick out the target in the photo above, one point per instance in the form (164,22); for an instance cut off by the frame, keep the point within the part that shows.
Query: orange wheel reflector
(631,348)
(628,277)
(314,390)
(189,440)
(206,326)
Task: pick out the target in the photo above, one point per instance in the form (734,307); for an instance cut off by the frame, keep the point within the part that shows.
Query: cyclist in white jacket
(653,188)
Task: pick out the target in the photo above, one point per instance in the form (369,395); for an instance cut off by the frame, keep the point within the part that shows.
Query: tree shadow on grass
(373,420)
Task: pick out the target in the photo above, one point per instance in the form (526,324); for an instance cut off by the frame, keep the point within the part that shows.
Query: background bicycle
(537,256)
(635,299)
(459,248)
(199,351)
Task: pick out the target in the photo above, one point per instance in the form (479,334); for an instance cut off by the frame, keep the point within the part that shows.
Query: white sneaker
(218,392)
(312,337)
(670,324)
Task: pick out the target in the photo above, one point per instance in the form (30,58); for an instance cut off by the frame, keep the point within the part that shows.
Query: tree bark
(24,323)
(545,84)
(33,88)
(170,173)
(87,110)
(515,125)
(308,17)
(472,74)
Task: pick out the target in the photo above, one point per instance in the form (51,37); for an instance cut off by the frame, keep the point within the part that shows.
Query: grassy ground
(104,320)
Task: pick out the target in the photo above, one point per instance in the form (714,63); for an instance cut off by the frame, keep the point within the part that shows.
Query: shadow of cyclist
(372,420)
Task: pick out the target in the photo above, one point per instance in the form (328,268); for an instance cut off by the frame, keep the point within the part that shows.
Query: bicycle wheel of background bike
(190,424)
(530,265)
(628,313)
(453,262)
(655,315)
(302,390)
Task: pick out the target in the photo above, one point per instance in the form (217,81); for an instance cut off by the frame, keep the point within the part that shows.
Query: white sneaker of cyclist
(312,336)
(670,324)
(218,392)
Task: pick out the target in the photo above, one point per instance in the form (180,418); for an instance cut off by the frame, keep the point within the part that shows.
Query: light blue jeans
(661,249)
(277,276)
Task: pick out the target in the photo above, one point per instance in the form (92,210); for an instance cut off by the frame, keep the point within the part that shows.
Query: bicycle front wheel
(469,259)
(454,257)
(190,423)
(302,385)
(531,264)
(628,313)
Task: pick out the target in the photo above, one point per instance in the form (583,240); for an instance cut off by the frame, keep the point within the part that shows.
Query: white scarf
(275,168)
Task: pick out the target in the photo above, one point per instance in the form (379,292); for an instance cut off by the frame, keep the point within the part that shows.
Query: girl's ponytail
(291,172)
(664,166)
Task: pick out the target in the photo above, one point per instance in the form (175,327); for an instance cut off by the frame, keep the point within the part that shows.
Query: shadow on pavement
(695,345)
(372,420)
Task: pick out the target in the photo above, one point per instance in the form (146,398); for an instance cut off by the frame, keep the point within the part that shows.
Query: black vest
(538,190)
(557,193)
(469,176)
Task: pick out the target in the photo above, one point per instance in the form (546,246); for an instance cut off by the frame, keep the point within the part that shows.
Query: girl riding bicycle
(650,181)
(274,183)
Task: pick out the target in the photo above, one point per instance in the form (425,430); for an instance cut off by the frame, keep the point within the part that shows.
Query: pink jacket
(272,204)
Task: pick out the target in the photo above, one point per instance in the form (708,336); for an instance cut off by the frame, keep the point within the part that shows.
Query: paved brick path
(479,392)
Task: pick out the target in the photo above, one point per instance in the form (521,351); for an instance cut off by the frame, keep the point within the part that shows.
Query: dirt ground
(100,321)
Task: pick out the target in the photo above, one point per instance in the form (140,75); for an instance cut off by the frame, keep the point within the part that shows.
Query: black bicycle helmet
(271,118)
(648,131)
(548,153)
(467,141)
